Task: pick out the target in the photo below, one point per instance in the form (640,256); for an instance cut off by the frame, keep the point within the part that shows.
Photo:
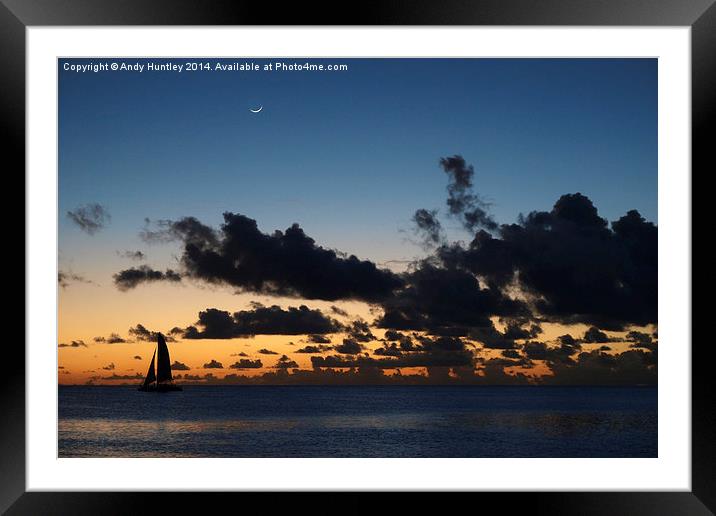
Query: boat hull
(160,388)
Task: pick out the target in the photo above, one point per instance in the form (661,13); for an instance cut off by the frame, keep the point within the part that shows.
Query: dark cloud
(535,350)
(633,367)
(494,373)
(188,229)
(66,278)
(339,311)
(73,344)
(118,377)
(560,354)
(179,366)
(137,357)
(442,344)
(501,363)
(351,376)
(462,201)
(390,349)
(359,330)
(511,353)
(405,342)
(131,278)
(491,338)
(215,324)
(392,335)
(189,377)
(595,336)
(568,340)
(245,363)
(240,354)
(285,263)
(409,360)
(272,320)
(575,267)
(640,339)
(113,338)
(349,347)
(90,218)
(132,255)
(318,339)
(428,227)
(265,351)
(213,364)
(109,367)
(521,328)
(314,349)
(139,332)
(285,363)
(445,301)
(429,352)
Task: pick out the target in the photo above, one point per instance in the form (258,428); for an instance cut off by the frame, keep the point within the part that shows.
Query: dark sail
(151,377)
(164,369)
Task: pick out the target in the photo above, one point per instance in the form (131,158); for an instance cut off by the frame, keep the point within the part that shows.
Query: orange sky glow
(89,310)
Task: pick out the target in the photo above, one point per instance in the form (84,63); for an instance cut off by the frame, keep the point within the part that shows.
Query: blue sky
(351,155)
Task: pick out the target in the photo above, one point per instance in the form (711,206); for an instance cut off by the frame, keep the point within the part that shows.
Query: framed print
(423,249)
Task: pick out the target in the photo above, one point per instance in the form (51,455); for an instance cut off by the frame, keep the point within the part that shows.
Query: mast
(164,368)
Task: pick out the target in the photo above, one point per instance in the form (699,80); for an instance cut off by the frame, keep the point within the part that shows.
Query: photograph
(357,257)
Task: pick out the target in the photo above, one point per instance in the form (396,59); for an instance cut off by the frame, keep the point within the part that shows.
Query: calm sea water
(237,421)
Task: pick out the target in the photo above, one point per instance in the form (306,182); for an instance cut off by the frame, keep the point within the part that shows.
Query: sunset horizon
(342,341)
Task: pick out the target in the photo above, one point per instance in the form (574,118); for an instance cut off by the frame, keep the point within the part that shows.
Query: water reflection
(359,423)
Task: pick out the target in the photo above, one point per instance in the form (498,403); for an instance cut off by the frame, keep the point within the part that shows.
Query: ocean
(352,421)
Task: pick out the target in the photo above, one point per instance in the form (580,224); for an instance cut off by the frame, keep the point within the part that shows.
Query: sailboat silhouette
(161,381)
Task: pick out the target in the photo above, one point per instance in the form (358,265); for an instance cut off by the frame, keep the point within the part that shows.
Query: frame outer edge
(12,108)
(703,111)
(12,121)
(372,12)
(533,503)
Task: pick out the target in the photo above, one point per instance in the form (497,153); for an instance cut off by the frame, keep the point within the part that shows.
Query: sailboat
(161,381)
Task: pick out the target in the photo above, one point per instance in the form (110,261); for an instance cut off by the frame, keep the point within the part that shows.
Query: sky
(350,155)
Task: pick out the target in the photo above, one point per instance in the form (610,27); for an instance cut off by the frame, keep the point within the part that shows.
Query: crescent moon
(256,110)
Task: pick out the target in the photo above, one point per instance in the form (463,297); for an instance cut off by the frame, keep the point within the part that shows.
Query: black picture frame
(700,15)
